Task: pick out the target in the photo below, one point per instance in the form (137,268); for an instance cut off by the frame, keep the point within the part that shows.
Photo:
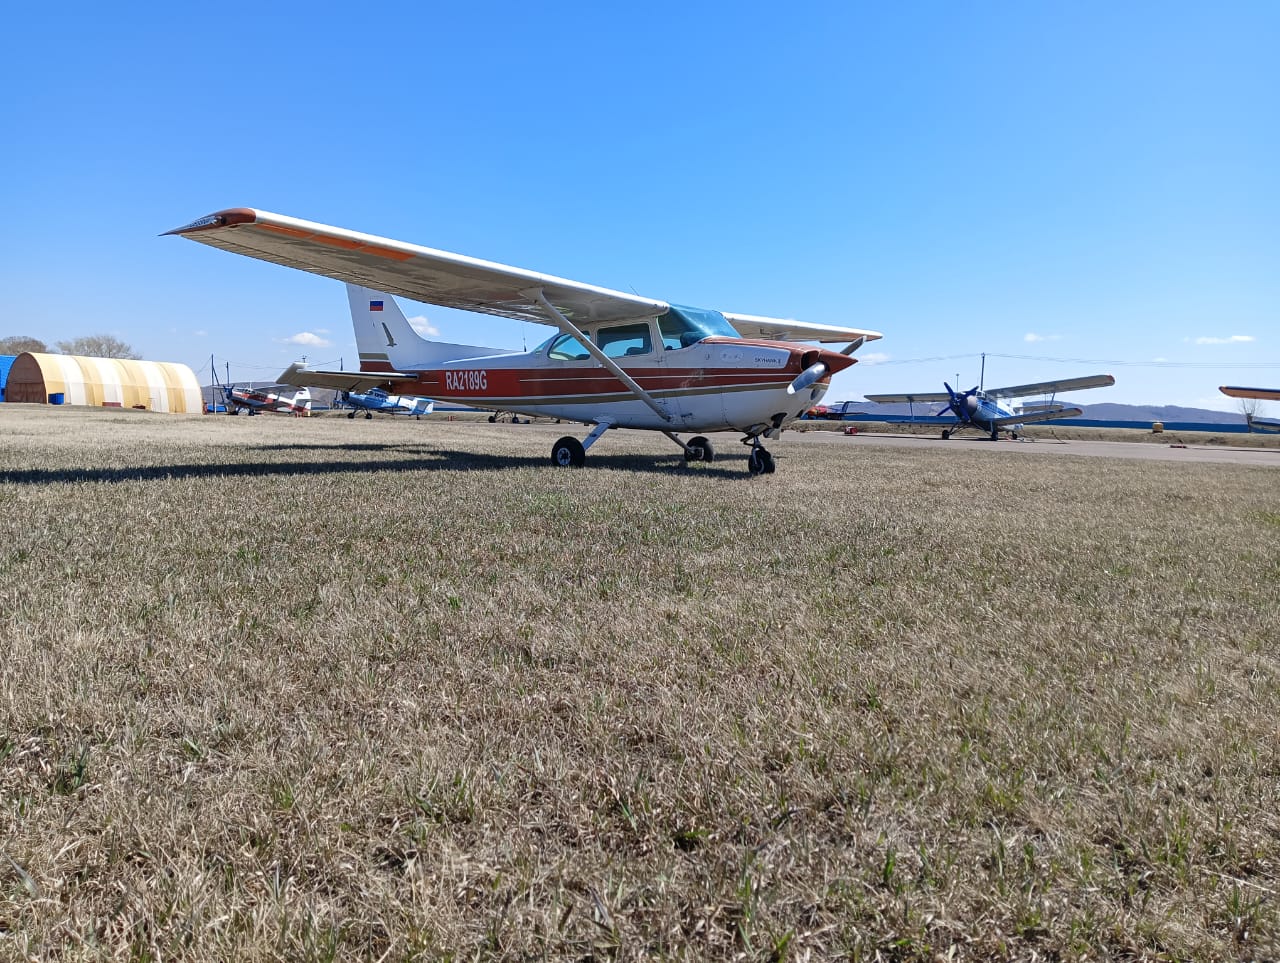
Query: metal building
(110,382)
(6,362)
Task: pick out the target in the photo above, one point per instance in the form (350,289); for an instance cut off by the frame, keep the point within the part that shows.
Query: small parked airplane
(1261,394)
(376,399)
(258,400)
(617,360)
(980,410)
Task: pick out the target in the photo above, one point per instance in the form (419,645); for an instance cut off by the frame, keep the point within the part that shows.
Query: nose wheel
(760,462)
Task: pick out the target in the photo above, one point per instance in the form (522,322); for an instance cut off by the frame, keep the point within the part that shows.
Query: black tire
(769,466)
(1013,435)
(492,419)
(946,433)
(351,414)
(755,461)
(368,414)
(568,453)
(699,449)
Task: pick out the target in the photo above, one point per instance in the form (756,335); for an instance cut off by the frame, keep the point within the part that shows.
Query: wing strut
(613,366)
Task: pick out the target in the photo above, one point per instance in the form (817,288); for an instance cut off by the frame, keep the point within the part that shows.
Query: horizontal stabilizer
(300,376)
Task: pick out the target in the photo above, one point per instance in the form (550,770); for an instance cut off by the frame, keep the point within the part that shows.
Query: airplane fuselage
(716,384)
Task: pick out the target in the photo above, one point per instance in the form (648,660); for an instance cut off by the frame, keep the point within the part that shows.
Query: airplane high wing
(455,280)
(618,361)
(419,273)
(1259,394)
(1051,387)
(1262,394)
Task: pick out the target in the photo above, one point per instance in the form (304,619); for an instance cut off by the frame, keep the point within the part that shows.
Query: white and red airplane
(258,400)
(617,360)
(1257,394)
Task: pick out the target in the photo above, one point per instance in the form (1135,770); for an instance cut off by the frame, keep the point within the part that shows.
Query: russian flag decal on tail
(375,305)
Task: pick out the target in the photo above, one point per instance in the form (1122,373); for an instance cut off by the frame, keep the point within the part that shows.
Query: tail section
(300,402)
(387,342)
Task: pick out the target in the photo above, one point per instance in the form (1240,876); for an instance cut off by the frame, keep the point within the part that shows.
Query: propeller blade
(807,377)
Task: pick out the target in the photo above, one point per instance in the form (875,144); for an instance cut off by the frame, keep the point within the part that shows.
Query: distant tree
(98,346)
(1251,408)
(18,343)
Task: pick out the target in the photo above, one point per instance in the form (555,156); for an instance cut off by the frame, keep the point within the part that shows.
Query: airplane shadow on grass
(416,459)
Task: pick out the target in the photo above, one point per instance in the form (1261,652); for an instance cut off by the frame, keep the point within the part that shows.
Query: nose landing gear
(759,462)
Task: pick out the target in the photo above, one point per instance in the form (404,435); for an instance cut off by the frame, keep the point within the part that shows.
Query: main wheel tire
(755,461)
(351,414)
(568,453)
(945,434)
(368,414)
(1013,436)
(699,449)
(769,466)
(492,419)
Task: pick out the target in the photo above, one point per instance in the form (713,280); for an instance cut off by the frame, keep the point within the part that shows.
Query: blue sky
(1093,183)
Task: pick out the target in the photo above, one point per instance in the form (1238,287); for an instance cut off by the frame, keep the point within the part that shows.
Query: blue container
(57,399)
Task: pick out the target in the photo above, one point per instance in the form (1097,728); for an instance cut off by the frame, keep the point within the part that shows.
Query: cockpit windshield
(682,326)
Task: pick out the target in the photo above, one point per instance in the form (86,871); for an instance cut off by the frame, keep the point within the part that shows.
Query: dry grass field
(283,689)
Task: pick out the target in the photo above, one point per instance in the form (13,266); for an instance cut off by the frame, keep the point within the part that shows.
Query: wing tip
(218,219)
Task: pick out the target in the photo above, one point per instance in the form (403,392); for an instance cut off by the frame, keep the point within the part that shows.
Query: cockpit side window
(682,327)
(567,348)
(677,332)
(625,340)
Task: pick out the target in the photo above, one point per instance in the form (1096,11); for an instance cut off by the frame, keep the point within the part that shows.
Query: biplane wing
(927,397)
(1051,387)
(1031,417)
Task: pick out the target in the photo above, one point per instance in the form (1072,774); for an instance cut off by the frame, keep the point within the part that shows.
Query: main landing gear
(568,452)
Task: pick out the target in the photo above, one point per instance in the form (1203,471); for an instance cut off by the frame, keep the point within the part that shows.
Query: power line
(1103,361)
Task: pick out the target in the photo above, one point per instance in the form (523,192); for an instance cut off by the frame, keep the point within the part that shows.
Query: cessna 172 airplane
(980,410)
(258,400)
(616,360)
(1261,394)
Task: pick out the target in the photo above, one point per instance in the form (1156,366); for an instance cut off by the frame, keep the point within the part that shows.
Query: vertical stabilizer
(387,342)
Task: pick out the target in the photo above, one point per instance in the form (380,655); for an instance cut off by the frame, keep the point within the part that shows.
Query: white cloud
(1233,339)
(201,333)
(873,357)
(306,339)
(424,327)
(1032,337)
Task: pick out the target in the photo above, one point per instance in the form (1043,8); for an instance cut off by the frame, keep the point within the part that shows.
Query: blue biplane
(980,410)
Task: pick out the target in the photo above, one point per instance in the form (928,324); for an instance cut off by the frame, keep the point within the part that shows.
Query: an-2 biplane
(1259,394)
(980,410)
(617,360)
